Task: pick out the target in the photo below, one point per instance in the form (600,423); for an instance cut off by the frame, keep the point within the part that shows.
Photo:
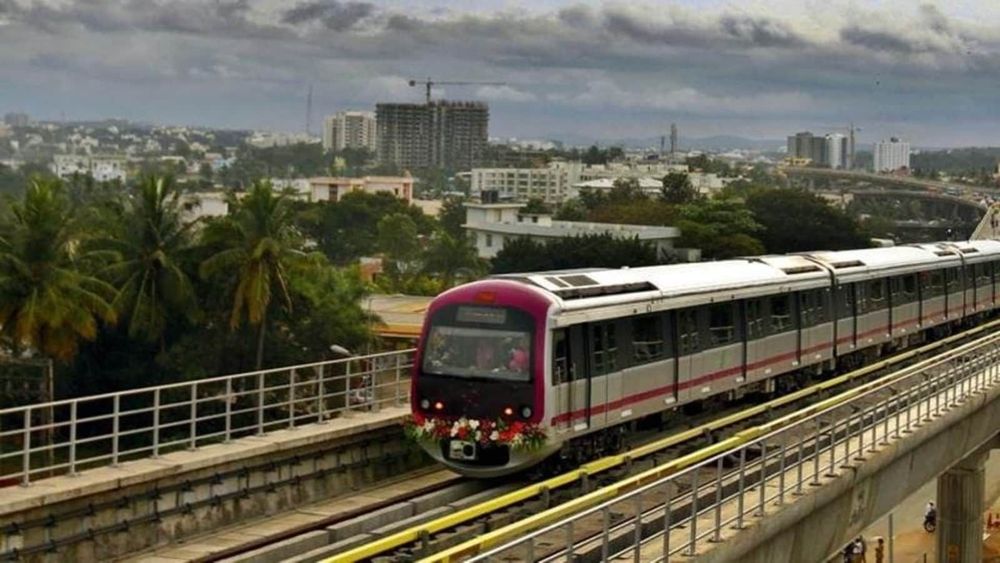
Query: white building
(551,184)
(103,168)
(491,225)
(836,144)
(199,205)
(332,189)
(264,140)
(891,155)
(349,129)
(704,183)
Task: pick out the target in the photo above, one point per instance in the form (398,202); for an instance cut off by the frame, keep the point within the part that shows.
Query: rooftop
(576,228)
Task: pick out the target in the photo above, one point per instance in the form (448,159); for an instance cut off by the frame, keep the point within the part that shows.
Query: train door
(688,345)
(562,380)
(756,331)
(578,389)
(602,348)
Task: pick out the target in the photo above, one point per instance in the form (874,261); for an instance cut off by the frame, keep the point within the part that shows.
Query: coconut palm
(258,250)
(48,302)
(148,248)
(452,257)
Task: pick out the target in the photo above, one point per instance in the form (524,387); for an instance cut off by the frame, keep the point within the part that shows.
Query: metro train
(517,368)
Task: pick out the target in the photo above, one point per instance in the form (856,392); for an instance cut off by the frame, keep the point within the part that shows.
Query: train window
(604,348)
(647,337)
(952,280)
(984,274)
(876,295)
(781,313)
(845,301)
(904,289)
(970,278)
(806,309)
(560,357)
(933,283)
(755,319)
(721,324)
(687,330)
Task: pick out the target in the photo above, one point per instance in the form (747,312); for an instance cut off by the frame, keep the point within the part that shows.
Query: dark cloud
(334,15)
(759,32)
(877,40)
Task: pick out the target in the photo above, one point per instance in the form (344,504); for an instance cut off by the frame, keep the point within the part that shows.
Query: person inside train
(519,356)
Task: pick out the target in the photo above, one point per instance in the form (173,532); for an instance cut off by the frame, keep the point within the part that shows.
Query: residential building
(201,205)
(891,155)
(14,119)
(550,184)
(332,189)
(103,168)
(263,140)
(833,150)
(349,129)
(704,183)
(443,134)
(491,225)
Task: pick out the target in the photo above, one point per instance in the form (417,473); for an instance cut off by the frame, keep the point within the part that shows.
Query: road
(912,542)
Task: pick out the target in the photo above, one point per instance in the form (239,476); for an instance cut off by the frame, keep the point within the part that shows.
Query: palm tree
(451,256)
(259,247)
(47,301)
(147,251)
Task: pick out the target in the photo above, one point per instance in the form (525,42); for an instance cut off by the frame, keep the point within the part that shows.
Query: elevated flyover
(797,488)
(888,180)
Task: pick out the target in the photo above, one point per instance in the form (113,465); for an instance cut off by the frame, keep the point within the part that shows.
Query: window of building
(721,324)
(647,336)
(489,240)
(781,313)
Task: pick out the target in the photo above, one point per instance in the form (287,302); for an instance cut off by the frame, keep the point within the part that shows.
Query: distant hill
(956,160)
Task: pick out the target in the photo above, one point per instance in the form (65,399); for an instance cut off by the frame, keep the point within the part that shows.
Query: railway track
(441,534)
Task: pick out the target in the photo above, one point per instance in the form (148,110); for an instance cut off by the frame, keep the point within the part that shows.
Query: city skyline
(573,69)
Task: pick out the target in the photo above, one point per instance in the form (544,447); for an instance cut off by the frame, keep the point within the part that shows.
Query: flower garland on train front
(516,434)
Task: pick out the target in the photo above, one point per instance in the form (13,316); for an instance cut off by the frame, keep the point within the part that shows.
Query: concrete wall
(105,520)
(814,527)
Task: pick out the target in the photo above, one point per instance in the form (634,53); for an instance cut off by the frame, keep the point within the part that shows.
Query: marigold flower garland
(516,434)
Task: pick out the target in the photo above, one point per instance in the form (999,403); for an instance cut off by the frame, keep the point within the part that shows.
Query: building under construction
(441,134)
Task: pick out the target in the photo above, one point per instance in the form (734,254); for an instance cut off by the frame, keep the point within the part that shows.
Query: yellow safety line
(485,541)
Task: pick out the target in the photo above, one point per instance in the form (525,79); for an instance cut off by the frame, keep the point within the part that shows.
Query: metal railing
(704,493)
(65,437)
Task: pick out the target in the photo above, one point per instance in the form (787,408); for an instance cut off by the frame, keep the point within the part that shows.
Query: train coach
(516,369)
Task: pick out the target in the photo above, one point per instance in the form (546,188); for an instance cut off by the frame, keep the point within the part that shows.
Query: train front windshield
(482,342)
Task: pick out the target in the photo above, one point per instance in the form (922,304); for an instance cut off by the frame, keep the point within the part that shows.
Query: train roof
(679,285)
(731,277)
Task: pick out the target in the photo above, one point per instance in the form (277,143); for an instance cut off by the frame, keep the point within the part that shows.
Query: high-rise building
(450,135)
(16,119)
(673,139)
(349,129)
(833,150)
(891,155)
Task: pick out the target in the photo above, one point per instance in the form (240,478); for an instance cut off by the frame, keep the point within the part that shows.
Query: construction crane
(431,83)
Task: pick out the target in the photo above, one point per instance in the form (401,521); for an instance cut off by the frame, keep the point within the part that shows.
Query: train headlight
(425,404)
(526,412)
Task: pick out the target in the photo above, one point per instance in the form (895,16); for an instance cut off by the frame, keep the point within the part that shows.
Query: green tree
(259,248)
(677,189)
(452,217)
(721,228)
(48,301)
(148,266)
(588,251)
(450,257)
(799,221)
(536,206)
(398,239)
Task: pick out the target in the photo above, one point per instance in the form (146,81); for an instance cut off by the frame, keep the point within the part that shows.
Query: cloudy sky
(760,69)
